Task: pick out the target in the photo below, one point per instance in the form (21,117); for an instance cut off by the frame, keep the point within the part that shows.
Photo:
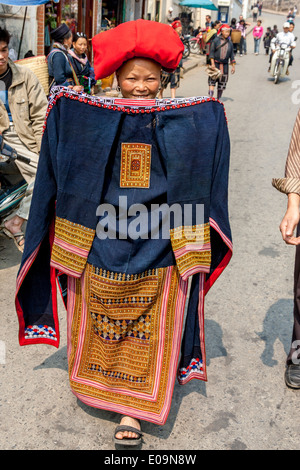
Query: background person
(290,185)
(257,34)
(61,71)
(221,53)
(242,26)
(80,62)
(23,106)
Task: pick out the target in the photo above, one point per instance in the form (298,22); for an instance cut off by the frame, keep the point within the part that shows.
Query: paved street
(245,403)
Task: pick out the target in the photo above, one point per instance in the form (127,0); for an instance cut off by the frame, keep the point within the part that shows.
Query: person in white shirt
(284,37)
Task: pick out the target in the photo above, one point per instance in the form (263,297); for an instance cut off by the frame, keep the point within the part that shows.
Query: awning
(26,3)
(206,4)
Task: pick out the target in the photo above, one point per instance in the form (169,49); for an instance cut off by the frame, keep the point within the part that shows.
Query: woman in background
(60,69)
(80,62)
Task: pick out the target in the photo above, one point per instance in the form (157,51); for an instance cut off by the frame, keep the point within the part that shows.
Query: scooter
(12,184)
(197,44)
(280,61)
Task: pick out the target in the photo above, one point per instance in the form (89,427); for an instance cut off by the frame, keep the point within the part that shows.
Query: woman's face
(139,78)
(80,46)
(225,33)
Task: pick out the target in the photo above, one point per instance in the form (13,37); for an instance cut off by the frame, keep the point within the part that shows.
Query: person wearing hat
(126,285)
(283,37)
(172,78)
(170,16)
(61,71)
(221,53)
(23,106)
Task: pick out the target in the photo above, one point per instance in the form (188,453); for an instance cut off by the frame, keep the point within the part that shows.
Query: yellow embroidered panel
(135,165)
(191,247)
(71,246)
(126,339)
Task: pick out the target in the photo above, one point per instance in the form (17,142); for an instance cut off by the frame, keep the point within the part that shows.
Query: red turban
(176,24)
(224,26)
(140,38)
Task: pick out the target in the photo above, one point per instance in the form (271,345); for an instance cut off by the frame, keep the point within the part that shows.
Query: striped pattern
(131,376)
(192,250)
(197,368)
(291,182)
(71,246)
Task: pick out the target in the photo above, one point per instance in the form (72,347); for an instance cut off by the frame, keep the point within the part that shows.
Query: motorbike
(280,61)
(197,44)
(186,43)
(12,184)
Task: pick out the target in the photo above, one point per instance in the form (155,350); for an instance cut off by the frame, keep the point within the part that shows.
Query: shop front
(79,15)
(113,13)
(223,10)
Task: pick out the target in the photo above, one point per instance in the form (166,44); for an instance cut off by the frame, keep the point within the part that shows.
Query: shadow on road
(277,325)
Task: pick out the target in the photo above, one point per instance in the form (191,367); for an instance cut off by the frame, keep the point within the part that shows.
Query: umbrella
(206,4)
(25,3)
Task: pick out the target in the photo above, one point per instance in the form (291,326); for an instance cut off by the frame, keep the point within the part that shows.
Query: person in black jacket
(221,52)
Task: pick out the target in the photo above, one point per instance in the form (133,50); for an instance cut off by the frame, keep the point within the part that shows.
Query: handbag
(213,73)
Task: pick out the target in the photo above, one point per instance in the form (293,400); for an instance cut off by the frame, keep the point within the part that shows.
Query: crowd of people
(143,71)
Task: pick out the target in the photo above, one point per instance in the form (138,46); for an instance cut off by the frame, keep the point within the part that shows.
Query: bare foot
(14,226)
(128,421)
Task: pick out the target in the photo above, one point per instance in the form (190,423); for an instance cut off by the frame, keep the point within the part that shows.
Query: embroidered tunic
(135,304)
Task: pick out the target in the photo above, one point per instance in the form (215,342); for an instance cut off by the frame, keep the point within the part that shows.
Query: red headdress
(140,38)
(224,26)
(176,24)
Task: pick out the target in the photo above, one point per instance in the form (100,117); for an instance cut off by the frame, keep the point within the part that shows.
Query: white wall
(11,18)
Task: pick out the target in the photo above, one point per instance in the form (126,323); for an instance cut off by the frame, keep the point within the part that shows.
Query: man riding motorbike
(284,37)
(23,106)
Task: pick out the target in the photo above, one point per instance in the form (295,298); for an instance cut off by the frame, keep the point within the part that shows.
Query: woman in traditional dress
(60,69)
(80,62)
(126,280)
(221,53)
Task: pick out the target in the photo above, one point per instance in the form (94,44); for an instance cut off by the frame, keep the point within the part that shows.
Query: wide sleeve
(213,49)
(36,285)
(291,182)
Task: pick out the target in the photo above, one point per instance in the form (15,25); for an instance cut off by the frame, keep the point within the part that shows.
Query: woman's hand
(291,220)
(78,88)
(232,69)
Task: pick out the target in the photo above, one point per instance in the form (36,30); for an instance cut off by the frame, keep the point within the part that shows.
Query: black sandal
(128,441)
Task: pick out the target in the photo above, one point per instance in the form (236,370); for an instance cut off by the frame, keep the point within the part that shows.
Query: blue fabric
(83,70)
(4,99)
(59,68)
(79,168)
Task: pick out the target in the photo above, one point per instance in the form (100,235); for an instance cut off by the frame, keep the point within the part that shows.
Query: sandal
(128,441)
(16,237)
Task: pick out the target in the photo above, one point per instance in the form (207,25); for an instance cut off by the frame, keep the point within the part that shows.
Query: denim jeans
(243,46)
(256,45)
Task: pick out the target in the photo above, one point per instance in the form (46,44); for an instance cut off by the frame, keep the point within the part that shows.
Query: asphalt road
(245,403)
